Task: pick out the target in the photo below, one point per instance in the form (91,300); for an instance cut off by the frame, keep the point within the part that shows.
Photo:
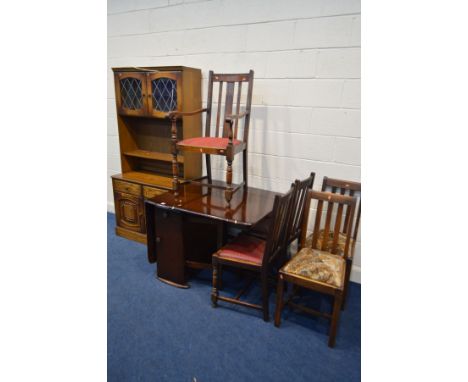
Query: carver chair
(322,266)
(353,189)
(225,139)
(254,254)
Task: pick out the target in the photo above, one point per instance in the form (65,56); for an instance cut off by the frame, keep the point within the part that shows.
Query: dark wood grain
(247,206)
(196,222)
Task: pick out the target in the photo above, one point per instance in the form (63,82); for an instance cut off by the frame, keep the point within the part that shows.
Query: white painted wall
(306,57)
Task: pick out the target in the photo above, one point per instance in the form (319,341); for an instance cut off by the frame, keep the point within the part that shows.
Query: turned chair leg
(265,298)
(244,166)
(334,319)
(214,291)
(228,192)
(279,301)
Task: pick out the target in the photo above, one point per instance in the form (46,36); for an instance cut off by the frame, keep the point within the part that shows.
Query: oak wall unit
(144,96)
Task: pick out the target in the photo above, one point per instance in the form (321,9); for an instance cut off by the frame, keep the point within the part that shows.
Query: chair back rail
(277,235)
(345,187)
(329,200)
(298,204)
(231,80)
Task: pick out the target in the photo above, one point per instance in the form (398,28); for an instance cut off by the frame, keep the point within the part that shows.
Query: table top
(247,207)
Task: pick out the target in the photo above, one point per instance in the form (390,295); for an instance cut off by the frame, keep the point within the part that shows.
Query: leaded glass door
(131,93)
(165,93)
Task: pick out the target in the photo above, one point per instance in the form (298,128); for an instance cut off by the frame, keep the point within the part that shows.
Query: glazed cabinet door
(129,212)
(164,93)
(130,93)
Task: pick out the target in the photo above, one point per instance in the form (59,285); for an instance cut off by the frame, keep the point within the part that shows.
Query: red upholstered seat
(244,248)
(208,142)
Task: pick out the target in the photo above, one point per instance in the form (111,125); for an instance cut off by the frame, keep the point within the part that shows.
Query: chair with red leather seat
(254,254)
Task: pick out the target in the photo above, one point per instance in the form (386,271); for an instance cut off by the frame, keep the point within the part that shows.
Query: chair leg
(214,291)
(220,277)
(279,301)
(208,167)
(334,320)
(346,285)
(228,192)
(244,165)
(265,298)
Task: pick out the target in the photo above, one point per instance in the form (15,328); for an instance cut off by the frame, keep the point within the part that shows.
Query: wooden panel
(170,246)
(129,212)
(150,230)
(130,188)
(150,192)
(152,134)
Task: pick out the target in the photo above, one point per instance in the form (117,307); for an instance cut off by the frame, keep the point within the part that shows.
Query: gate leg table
(186,227)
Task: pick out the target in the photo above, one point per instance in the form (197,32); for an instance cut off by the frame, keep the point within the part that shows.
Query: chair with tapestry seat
(322,266)
(296,216)
(224,140)
(342,187)
(254,254)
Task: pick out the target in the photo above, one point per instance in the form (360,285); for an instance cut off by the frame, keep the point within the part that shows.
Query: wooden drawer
(150,192)
(129,188)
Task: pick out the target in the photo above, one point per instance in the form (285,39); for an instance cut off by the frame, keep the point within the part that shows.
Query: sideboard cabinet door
(165,93)
(131,93)
(129,212)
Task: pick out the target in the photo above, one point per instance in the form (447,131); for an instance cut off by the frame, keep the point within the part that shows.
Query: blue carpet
(156,332)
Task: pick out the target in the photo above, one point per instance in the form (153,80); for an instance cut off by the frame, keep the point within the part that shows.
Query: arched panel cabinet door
(164,93)
(129,212)
(131,93)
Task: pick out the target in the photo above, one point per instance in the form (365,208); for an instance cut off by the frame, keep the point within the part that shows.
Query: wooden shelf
(147,178)
(153,155)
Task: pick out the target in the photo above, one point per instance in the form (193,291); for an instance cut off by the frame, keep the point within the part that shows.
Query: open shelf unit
(144,97)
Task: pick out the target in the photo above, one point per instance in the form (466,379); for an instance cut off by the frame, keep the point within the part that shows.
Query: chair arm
(178,114)
(233,117)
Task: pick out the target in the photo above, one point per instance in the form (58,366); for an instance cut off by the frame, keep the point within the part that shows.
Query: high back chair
(254,254)
(322,266)
(297,211)
(224,139)
(353,189)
